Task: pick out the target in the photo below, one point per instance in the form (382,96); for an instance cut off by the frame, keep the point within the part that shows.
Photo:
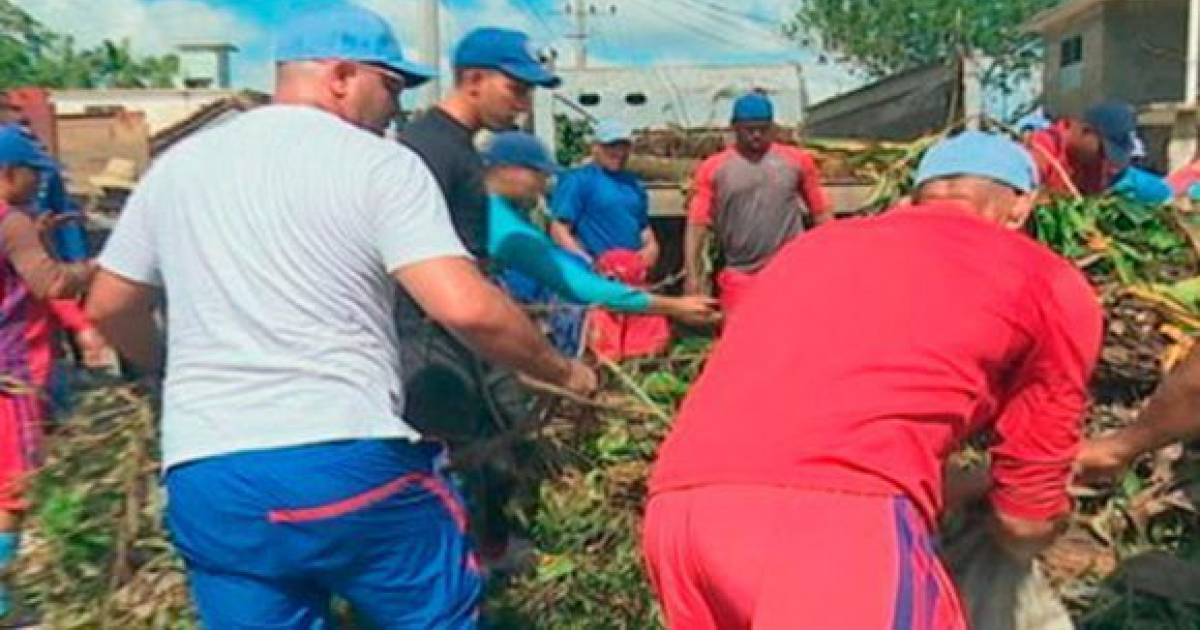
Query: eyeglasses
(392,81)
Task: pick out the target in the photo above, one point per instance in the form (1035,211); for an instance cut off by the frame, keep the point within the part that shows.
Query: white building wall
(685,96)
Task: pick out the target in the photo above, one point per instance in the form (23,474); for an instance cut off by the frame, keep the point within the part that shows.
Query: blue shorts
(269,537)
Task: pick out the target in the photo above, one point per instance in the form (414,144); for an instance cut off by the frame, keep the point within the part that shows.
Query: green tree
(881,37)
(31,54)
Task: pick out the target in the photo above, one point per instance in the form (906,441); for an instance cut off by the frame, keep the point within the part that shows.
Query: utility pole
(580,10)
(1191,88)
(430,51)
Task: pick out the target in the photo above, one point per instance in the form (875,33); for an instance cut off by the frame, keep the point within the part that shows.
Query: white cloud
(152,28)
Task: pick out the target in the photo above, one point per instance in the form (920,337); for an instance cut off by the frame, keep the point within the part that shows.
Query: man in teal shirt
(518,170)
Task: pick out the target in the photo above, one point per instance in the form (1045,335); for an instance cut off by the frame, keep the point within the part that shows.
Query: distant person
(601,206)
(449,390)
(292,473)
(801,484)
(754,196)
(601,213)
(31,280)
(68,233)
(518,169)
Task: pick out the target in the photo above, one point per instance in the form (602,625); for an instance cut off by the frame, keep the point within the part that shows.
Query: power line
(755,25)
(699,31)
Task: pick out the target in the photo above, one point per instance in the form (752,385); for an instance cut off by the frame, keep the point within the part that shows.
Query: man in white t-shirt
(278,238)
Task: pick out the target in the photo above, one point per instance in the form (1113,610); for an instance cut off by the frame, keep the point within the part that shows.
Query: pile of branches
(97,557)
(95,554)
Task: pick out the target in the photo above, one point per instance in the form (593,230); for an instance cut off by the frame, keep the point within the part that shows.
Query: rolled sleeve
(1040,428)
(409,219)
(131,250)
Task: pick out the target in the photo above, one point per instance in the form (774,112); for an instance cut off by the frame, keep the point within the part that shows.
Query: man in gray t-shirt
(754,195)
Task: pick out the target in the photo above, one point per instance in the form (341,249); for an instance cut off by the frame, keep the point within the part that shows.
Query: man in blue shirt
(602,207)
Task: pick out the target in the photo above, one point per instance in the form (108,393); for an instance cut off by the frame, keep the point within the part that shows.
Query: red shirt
(1049,146)
(871,348)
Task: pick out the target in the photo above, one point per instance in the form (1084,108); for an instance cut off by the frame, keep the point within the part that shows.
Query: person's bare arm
(650,249)
(694,310)
(694,238)
(1023,539)
(565,238)
(1171,415)
(453,292)
(45,277)
(122,311)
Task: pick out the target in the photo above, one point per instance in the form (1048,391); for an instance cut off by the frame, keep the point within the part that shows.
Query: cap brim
(414,74)
(549,168)
(43,163)
(533,74)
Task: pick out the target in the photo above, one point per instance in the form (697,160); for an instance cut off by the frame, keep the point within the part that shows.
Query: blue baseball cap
(753,107)
(979,154)
(612,132)
(1116,125)
(505,50)
(518,148)
(349,32)
(18,149)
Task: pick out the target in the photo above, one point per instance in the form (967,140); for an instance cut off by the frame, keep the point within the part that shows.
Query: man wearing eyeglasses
(291,473)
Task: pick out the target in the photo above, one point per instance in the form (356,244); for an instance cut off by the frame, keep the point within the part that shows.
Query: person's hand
(964,486)
(95,352)
(693,286)
(649,256)
(694,310)
(48,221)
(1103,460)
(581,379)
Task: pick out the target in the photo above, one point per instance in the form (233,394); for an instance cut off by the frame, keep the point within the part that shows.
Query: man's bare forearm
(693,255)
(1171,415)
(561,233)
(123,313)
(507,336)
(456,295)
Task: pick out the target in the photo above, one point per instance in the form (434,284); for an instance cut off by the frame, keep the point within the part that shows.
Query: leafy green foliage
(31,54)
(573,139)
(96,555)
(1135,242)
(881,37)
(587,519)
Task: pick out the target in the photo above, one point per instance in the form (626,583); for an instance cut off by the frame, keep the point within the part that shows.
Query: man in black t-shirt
(449,392)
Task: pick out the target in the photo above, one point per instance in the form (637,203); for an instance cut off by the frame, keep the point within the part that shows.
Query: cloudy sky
(623,32)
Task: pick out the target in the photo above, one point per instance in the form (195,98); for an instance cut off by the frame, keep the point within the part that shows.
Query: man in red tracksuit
(801,484)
